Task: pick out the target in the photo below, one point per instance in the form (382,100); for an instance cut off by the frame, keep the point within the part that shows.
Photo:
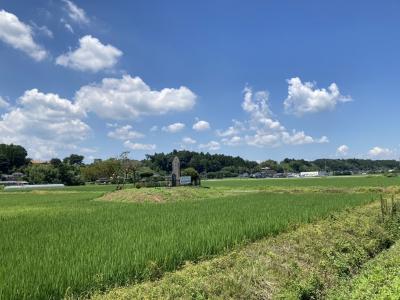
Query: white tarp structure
(33,186)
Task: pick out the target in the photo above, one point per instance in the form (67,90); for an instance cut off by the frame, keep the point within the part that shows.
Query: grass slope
(300,264)
(379,279)
(54,242)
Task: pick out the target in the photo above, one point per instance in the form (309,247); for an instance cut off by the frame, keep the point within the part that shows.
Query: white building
(313,174)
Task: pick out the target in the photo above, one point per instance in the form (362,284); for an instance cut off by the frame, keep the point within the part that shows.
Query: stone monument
(176,171)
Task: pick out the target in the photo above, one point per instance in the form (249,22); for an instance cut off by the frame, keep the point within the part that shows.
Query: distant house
(280,175)
(267,172)
(17,176)
(313,174)
(103,180)
(244,175)
(38,162)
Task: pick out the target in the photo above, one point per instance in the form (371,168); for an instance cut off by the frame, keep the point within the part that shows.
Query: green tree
(194,175)
(15,154)
(74,159)
(42,173)
(4,164)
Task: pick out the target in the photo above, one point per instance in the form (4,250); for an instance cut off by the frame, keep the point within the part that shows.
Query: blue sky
(259,79)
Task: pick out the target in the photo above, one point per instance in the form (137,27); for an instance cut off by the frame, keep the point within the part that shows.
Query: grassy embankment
(379,279)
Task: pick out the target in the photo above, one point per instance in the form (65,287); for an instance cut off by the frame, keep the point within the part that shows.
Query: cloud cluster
(304,98)
(44,123)
(262,129)
(379,152)
(47,123)
(130,97)
(342,150)
(139,146)
(210,146)
(91,56)
(124,133)
(76,13)
(201,125)
(173,128)
(19,36)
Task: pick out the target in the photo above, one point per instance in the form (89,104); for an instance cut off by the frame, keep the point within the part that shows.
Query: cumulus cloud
(232,141)
(130,98)
(44,124)
(76,13)
(304,98)
(3,103)
(138,146)
(188,140)
(187,143)
(235,129)
(379,152)
(19,36)
(262,129)
(173,128)
(343,150)
(210,146)
(154,128)
(201,125)
(124,133)
(300,138)
(91,55)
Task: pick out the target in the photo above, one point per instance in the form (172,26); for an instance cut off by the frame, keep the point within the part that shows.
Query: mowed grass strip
(76,246)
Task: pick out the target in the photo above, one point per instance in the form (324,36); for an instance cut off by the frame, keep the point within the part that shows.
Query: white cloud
(305,98)
(378,152)
(19,35)
(125,133)
(154,128)
(138,146)
(237,128)
(130,97)
(44,124)
(232,141)
(300,138)
(188,141)
(343,150)
(3,103)
(67,25)
(210,146)
(173,128)
(262,129)
(112,125)
(76,13)
(201,125)
(43,30)
(91,55)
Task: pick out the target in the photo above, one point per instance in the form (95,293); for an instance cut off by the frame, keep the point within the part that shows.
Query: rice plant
(64,242)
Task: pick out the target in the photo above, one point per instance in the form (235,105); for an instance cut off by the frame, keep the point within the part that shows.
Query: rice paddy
(57,243)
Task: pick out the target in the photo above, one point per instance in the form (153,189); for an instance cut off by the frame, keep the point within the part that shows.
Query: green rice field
(64,242)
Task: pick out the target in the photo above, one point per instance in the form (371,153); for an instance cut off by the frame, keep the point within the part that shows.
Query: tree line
(73,171)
